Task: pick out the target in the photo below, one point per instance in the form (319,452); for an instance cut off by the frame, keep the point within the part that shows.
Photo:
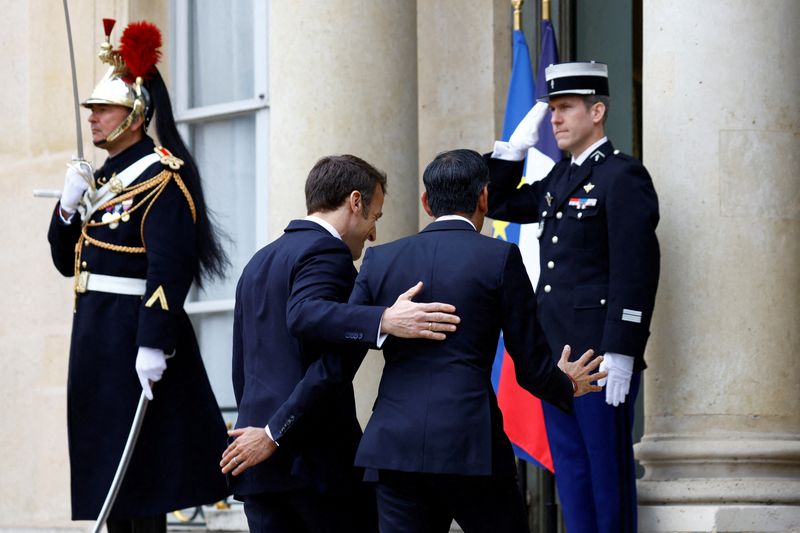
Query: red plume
(139,48)
(108,25)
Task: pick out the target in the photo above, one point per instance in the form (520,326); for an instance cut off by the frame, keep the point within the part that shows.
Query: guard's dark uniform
(599,260)
(148,233)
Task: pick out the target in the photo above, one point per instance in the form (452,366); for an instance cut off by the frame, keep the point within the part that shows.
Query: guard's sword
(78,134)
(136,426)
(75,100)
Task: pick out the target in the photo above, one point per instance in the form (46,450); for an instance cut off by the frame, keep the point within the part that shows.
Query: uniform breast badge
(549,198)
(588,187)
(582,203)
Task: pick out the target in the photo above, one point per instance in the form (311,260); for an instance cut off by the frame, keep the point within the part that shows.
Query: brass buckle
(82,283)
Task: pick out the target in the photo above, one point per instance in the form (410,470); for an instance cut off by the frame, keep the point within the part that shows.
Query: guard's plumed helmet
(131,65)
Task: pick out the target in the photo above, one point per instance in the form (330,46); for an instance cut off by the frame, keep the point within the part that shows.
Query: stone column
(464,66)
(343,79)
(721,448)
(36,141)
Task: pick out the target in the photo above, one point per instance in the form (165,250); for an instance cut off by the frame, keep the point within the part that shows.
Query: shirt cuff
(381,336)
(269,434)
(65,220)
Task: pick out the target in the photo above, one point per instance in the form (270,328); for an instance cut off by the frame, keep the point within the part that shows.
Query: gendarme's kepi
(580,77)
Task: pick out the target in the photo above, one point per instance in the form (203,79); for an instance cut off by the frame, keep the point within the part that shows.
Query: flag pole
(517,5)
(522,478)
(545,9)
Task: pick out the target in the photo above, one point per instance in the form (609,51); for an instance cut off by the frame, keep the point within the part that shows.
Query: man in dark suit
(436,435)
(597,212)
(289,309)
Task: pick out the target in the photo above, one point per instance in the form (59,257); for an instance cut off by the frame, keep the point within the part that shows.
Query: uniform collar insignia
(597,155)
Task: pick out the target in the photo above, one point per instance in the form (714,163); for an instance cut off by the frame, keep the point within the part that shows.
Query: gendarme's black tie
(569,183)
(573,171)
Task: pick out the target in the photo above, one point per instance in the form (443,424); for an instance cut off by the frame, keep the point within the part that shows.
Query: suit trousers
(593,459)
(308,511)
(412,502)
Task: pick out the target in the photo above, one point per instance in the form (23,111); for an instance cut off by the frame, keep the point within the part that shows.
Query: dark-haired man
(597,212)
(292,457)
(436,435)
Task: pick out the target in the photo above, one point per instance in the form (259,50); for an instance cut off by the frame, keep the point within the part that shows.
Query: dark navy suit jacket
(289,309)
(436,411)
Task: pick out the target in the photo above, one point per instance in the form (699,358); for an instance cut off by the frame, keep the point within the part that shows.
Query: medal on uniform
(588,187)
(126,204)
(111,218)
(582,203)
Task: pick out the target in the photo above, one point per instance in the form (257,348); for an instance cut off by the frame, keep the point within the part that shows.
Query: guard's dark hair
(454,181)
(334,177)
(211,257)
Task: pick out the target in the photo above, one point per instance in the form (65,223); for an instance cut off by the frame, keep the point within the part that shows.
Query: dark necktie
(569,183)
(573,171)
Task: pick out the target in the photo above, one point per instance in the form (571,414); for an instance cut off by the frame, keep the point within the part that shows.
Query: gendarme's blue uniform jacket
(599,254)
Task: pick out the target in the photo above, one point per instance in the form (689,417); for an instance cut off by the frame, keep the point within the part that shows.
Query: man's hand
(580,371)
(251,447)
(411,320)
(526,133)
(150,365)
(524,137)
(620,369)
(76,181)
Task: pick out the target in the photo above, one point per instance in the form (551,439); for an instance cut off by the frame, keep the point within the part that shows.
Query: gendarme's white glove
(618,382)
(76,180)
(525,135)
(150,366)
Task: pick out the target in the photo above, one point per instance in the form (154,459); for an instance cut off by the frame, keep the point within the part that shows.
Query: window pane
(221,52)
(225,152)
(215,335)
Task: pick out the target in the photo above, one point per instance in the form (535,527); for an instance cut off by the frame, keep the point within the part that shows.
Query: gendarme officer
(597,212)
(134,234)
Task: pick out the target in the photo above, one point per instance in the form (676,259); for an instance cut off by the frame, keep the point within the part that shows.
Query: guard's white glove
(618,382)
(150,366)
(76,180)
(524,137)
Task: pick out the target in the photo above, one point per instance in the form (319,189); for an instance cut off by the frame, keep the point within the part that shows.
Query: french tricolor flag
(522,412)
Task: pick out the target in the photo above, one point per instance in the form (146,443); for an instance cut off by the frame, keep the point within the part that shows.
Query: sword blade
(136,426)
(78,132)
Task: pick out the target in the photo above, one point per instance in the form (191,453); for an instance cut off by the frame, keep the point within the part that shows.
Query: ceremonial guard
(597,212)
(135,234)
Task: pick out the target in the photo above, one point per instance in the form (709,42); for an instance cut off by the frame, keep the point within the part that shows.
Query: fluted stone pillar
(721,448)
(343,79)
